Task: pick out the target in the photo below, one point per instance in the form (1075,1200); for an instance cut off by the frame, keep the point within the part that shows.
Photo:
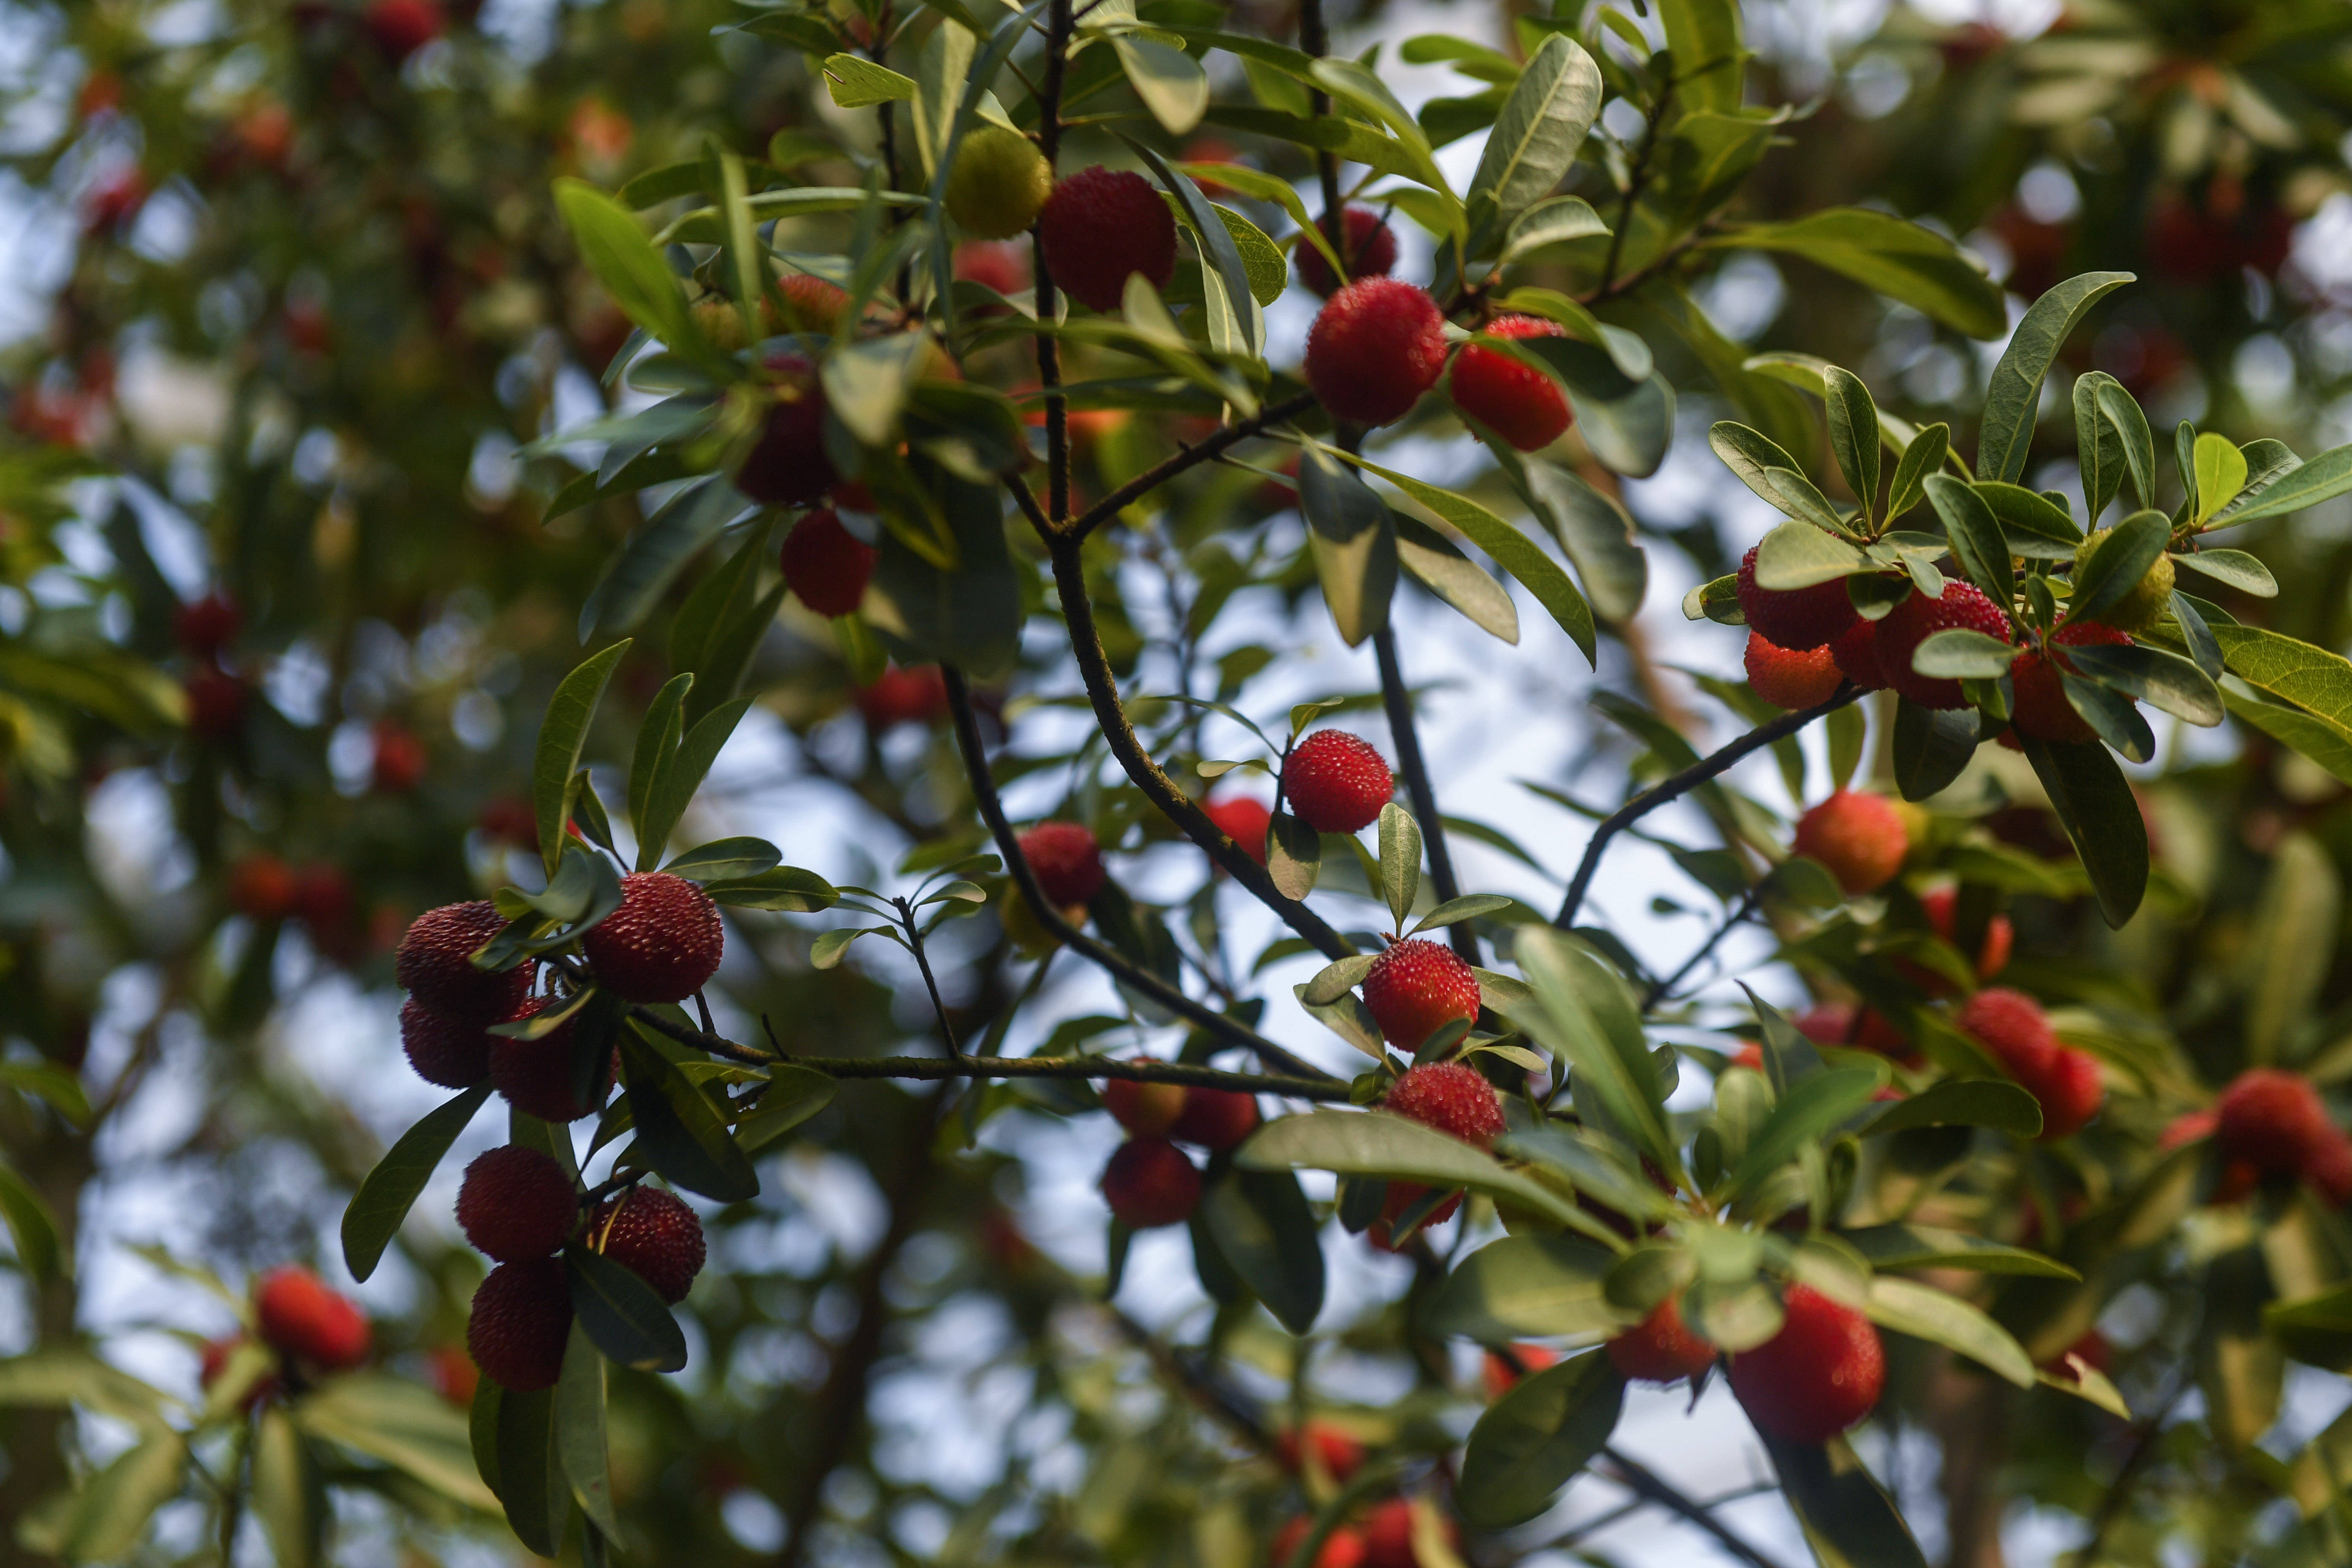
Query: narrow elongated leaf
(1582,1013)
(578,1421)
(288,1496)
(537,1499)
(1892,255)
(1963,1102)
(111,1513)
(1266,1230)
(1924,1312)
(1799,554)
(2323,478)
(631,271)
(2034,525)
(623,1315)
(2241,570)
(2101,816)
(1853,434)
(1975,536)
(679,1132)
(2122,412)
(1906,1246)
(1931,746)
(1959,653)
(1374,1143)
(1224,255)
(383,1201)
(1432,560)
(2098,444)
(856,82)
(1534,1439)
(561,734)
(1810,1107)
(1541,128)
(682,774)
(1922,455)
(403,1424)
(1626,421)
(1710,60)
(1847,1517)
(2015,394)
(1400,861)
(1452,911)
(726,860)
(1527,1287)
(1354,545)
(2160,678)
(40,1246)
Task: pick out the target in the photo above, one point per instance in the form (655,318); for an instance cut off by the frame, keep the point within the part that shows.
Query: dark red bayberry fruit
(535,1075)
(1860,838)
(1794,618)
(205,627)
(1451,1097)
(653,1236)
(1342,1548)
(1066,860)
(400,28)
(1501,1377)
(1787,677)
(261,887)
(1099,225)
(453,1053)
(1919,617)
(1837,1023)
(2012,1025)
(1151,1182)
(434,964)
(1661,1348)
(1375,348)
(1144,1110)
(2069,1089)
(917,695)
(1855,650)
(1415,988)
(825,565)
(1819,1376)
(516,1203)
(1336,782)
(664,942)
(1370,250)
(1388,1535)
(787,465)
(300,1318)
(2041,710)
(1941,905)
(1244,821)
(1215,1118)
(2272,1121)
(400,758)
(215,704)
(1517,400)
(521,1318)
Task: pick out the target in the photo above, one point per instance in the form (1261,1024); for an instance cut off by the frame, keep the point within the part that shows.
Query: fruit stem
(1398,700)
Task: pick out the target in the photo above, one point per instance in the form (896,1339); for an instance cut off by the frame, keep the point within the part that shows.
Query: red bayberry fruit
(400,28)
(1919,617)
(1942,908)
(1794,618)
(535,1075)
(453,1053)
(1151,1182)
(215,704)
(662,944)
(2189,1127)
(1838,1023)
(521,1318)
(2041,710)
(1415,988)
(1368,247)
(1388,1535)
(516,1203)
(1145,1110)
(810,303)
(1855,651)
(787,465)
(299,1316)
(1517,400)
(1501,1377)
(1339,1455)
(1066,860)
(434,964)
(1336,782)
(1100,225)
(1343,1548)
(826,565)
(1451,1097)
(2328,1170)
(1215,1118)
(1244,821)
(2067,1084)
(261,887)
(653,1234)
(2272,1121)
(2012,1026)
(455,1375)
(1819,1376)
(1002,267)
(322,897)
(400,758)
(1860,838)
(1375,349)
(1787,677)
(205,627)
(1661,1348)
(917,696)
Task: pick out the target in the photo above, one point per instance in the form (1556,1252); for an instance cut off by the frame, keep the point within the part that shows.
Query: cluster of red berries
(312,1330)
(1380,1536)
(2012,1026)
(1379,343)
(263,887)
(205,628)
(1458,1101)
(1149,1181)
(2271,1129)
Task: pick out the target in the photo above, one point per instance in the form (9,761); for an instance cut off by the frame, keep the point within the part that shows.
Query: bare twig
(1398,700)
(1746,906)
(1049,356)
(1636,1477)
(1186,457)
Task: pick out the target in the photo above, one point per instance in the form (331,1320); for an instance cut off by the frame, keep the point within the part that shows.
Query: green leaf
(561,734)
(1581,1012)
(793,1095)
(1561,220)
(1356,84)
(1709,60)
(1526,1287)
(2117,562)
(1959,653)
(1452,911)
(1892,256)
(532,1486)
(1924,1312)
(1374,1143)
(856,82)
(726,860)
(1627,421)
(1975,537)
(383,1201)
(1219,251)
(2101,816)
(1400,861)
(1847,1517)
(1265,1229)
(632,272)
(1931,746)
(1963,1102)
(2161,680)
(2220,471)
(2098,444)
(1540,130)
(2122,412)
(1432,559)
(1902,1247)
(40,1246)
(577,1417)
(1810,1108)
(287,1495)
(2311,677)
(680,775)
(1354,543)
(1293,856)
(1171,84)
(1763,467)
(2235,567)
(787,888)
(967,613)
(679,1132)
(1854,434)
(1799,554)
(402,1424)
(641,571)
(112,1511)
(49,1081)
(2036,526)
(2014,396)
(1533,1440)
(1922,455)
(623,1315)
(2323,478)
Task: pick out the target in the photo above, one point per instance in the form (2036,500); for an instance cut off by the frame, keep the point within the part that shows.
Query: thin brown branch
(1323,1088)
(1398,700)
(1049,354)
(1638,1478)
(1186,457)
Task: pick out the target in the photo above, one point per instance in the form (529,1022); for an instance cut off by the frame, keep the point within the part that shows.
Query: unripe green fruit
(2145,604)
(999,183)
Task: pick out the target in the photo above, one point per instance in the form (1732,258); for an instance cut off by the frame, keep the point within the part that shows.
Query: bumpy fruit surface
(1919,617)
(1388,1534)
(2012,1025)
(1518,402)
(299,1316)
(1340,1454)
(2272,1121)
(1375,348)
(1336,782)
(999,183)
(1145,1110)
(516,1203)
(1066,860)
(664,942)
(1215,1118)
(1661,1347)
(1501,1377)
(655,1235)
(1343,1548)
(825,565)
(2149,599)
(787,465)
(520,1319)
(1415,988)
(2069,1089)
(1790,677)
(1860,838)
(1942,905)
(1151,1182)
(1099,225)
(1243,820)
(1818,1376)
(2041,710)
(433,964)
(1451,1097)
(451,1052)
(535,1075)
(1794,618)
(205,627)
(1369,249)
(1855,651)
